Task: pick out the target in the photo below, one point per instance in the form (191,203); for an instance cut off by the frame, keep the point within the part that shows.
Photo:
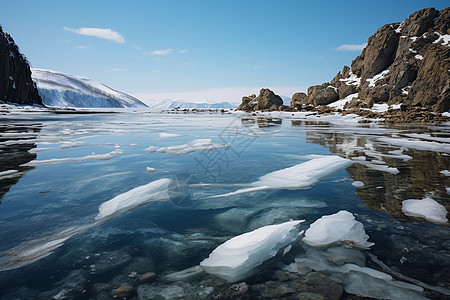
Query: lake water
(59,168)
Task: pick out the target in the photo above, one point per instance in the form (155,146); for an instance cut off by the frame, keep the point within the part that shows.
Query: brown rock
(125,291)
(378,54)
(431,88)
(299,100)
(266,100)
(147,277)
(322,94)
(419,22)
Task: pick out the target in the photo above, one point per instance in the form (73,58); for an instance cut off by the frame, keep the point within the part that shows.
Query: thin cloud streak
(351,47)
(161,52)
(102,33)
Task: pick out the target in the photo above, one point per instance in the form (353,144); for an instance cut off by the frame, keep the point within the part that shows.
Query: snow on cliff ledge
(64,90)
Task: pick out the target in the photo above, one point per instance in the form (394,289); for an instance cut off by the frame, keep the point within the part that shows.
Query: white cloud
(161,52)
(81,47)
(183,51)
(102,33)
(229,94)
(137,47)
(118,70)
(351,47)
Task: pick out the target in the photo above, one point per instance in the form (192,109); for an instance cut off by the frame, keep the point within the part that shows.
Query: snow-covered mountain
(169,104)
(64,90)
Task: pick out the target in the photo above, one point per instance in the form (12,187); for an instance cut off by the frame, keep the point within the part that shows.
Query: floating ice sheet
(426,208)
(193,146)
(237,258)
(153,191)
(105,156)
(340,227)
(298,176)
(164,135)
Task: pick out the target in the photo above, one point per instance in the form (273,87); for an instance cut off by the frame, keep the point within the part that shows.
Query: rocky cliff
(404,63)
(16,85)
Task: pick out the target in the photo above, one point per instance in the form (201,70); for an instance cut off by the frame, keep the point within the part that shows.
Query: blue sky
(196,49)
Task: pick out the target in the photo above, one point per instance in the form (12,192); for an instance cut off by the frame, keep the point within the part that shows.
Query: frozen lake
(92,202)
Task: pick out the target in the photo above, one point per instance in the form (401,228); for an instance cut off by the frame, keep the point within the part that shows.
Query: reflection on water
(16,141)
(418,170)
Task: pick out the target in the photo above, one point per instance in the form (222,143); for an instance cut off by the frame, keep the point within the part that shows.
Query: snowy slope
(64,90)
(169,104)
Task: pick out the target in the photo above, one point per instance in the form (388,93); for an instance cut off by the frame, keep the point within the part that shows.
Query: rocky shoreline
(404,66)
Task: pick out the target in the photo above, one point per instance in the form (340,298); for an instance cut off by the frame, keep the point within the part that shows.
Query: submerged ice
(299,176)
(238,257)
(153,191)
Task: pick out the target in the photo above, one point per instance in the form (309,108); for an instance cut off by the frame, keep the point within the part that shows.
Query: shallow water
(51,242)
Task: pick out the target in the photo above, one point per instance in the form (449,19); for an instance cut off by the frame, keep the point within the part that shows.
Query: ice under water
(56,170)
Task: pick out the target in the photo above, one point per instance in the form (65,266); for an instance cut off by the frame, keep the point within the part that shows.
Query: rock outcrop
(404,63)
(16,85)
(266,100)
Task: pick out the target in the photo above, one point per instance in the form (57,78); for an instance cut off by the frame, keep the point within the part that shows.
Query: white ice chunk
(337,228)
(153,191)
(150,169)
(379,167)
(193,146)
(443,172)
(358,184)
(238,257)
(416,144)
(168,135)
(426,208)
(105,156)
(298,176)
(9,174)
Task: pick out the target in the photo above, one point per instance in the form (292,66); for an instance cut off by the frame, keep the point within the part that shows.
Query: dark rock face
(403,63)
(299,100)
(16,85)
(322,94)
(378,54)
(266,100)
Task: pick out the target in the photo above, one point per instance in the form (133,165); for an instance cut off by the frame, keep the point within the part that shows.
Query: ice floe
(416,144)
(164,135)
(150,169)
(193,146)
(426,208)
(358,184)
(238,257)
(443,172)
(104,156)
(340,227)
(9,174)
(153,191)
(299,176)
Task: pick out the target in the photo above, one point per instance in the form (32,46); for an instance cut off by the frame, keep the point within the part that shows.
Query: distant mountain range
(170,104)
(64,90)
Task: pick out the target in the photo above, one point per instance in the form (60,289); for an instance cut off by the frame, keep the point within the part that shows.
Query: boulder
(322,94)
(16,85)
(299,100)
(248,103)
(266,100)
